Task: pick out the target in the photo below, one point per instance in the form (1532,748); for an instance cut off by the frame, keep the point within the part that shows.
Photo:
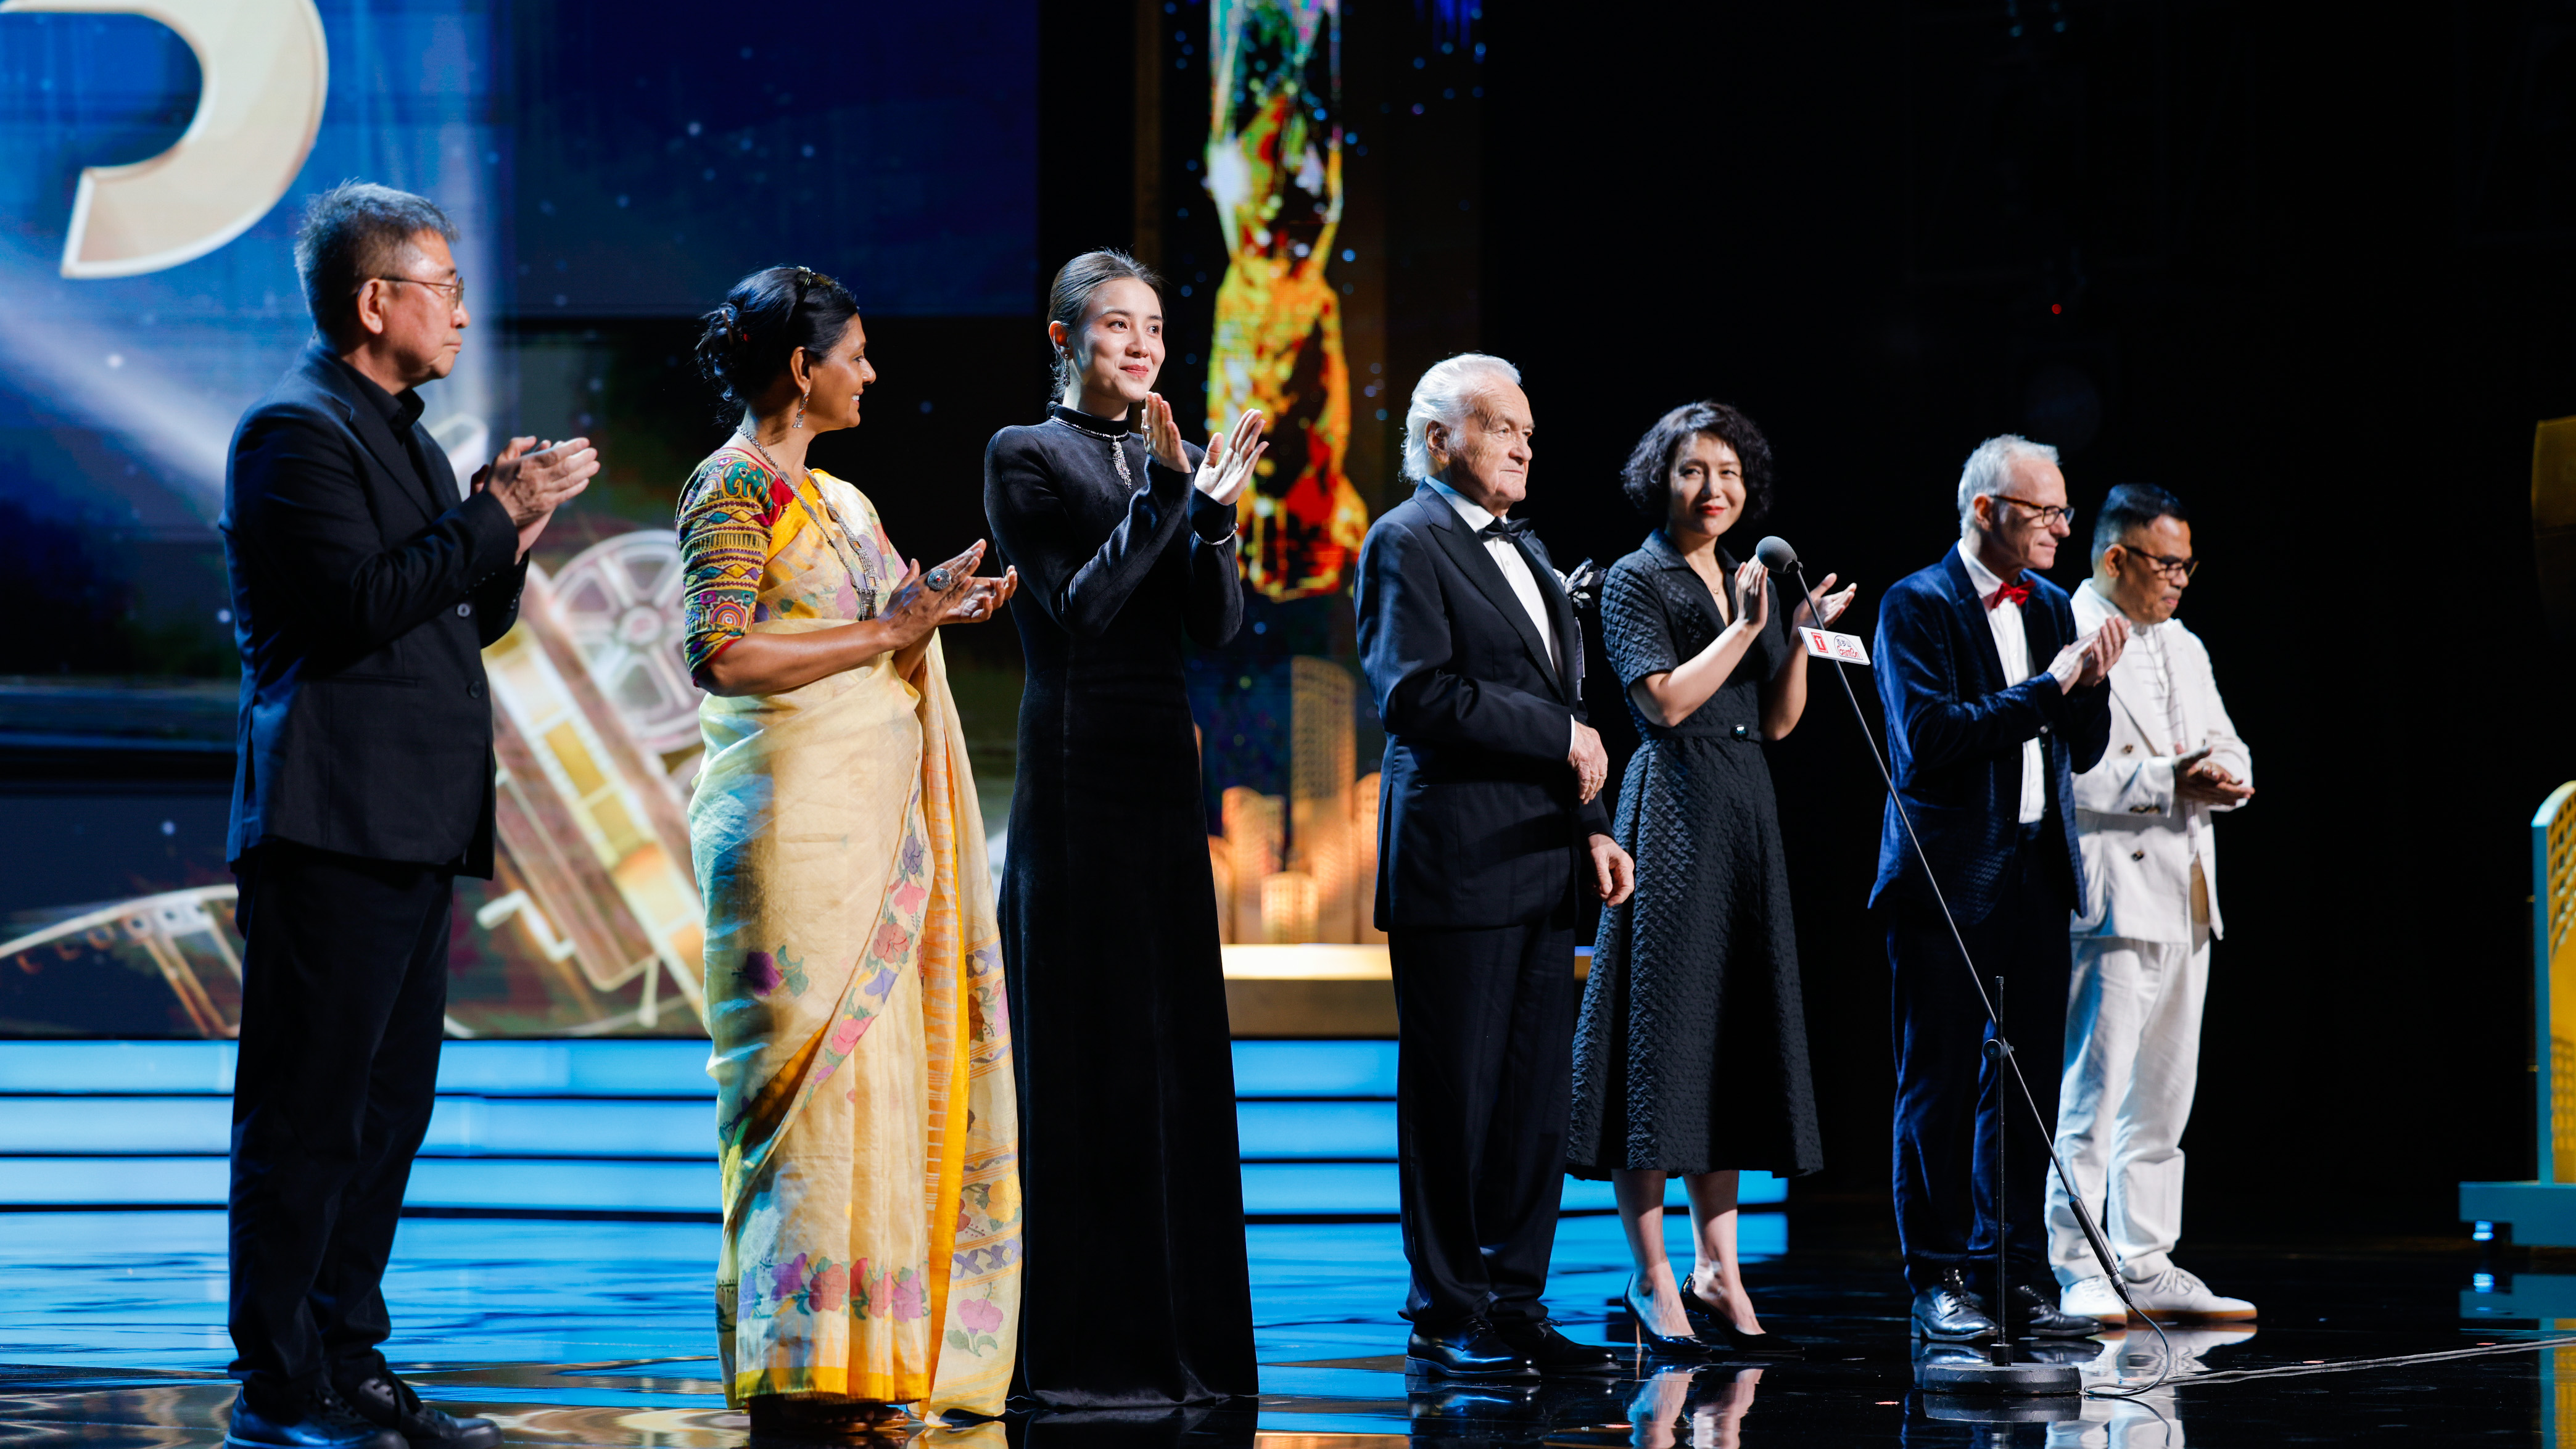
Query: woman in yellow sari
(866,1126)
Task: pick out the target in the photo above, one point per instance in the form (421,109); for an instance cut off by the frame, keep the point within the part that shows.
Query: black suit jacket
(362,598)
(1478,824)
(1955,732)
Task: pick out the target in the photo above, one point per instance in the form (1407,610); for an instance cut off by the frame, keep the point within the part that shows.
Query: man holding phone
(365,583)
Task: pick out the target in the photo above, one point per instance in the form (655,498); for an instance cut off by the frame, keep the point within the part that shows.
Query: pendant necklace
(1117,447)
(838,536)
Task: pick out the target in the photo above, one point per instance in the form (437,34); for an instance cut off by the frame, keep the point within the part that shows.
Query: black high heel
(1662,1345)
(1720,1334)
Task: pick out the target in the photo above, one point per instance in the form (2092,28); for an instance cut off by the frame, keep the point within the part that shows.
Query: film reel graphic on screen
(620,601)
(593,919)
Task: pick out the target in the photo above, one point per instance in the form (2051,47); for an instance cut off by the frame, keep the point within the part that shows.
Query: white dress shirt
(1515,565)
(2154,643)
(2012,643)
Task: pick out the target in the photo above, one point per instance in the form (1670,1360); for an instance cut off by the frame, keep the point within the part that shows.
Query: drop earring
(800,410)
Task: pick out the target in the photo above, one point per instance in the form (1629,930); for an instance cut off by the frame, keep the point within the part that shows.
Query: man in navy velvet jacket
(1992,704)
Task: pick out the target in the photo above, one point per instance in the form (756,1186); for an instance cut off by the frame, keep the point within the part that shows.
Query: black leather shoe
(1555,1354)
(2038,1315)
(1950,1313)
(1468,1350)
(382,1399)
(326,1423)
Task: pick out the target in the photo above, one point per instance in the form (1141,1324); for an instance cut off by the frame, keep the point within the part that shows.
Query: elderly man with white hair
(1489,824)
(1993,702)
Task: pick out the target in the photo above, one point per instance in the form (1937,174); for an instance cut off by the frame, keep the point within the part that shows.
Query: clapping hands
(948,594)
(2093,655)
(2198,777)
(1227,465)
(533,485)
(1832,603)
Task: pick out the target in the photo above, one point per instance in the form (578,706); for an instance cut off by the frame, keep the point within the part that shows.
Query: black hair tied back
(749,338)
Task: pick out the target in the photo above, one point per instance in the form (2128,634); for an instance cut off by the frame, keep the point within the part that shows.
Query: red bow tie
(2009,594)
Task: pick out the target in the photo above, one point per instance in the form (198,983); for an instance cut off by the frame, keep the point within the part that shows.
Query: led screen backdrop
(598,166)
(610,167)
(1315,209)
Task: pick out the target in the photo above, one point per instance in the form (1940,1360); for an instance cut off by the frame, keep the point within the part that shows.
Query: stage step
(624,1127)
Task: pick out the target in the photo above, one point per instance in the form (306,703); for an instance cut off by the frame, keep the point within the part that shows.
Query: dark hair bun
(749,338)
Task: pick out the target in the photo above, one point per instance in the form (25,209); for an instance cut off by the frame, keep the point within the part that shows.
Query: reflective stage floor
(599,1333)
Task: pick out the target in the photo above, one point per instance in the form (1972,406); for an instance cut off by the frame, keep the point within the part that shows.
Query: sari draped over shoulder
(867,1130)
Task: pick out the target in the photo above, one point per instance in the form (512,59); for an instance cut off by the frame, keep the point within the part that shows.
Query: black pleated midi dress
(1690,1054)
(1135,1295)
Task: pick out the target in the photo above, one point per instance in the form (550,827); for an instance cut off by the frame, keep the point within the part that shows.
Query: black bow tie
(1504,528)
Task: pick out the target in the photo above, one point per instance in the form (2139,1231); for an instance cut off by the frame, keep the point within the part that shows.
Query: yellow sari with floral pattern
(866,1125)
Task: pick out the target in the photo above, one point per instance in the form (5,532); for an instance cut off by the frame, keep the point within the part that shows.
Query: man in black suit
(1489,823)
(1984,739)
(365,584)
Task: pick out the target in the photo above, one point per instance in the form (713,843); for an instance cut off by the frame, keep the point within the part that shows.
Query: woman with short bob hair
(864,1117)
(1690,1055)
(1137,1290)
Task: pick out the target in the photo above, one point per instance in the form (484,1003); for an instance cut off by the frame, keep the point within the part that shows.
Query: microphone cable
(1775,553)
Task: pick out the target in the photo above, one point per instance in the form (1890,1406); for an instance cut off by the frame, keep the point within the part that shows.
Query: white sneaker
(2178,1292)
(2092,1298)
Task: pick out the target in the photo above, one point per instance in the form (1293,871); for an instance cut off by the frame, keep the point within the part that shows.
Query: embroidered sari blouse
(753,549)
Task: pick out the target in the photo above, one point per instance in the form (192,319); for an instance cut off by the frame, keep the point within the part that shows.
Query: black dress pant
(344,1002)
(1949,1095)
(1484,1075)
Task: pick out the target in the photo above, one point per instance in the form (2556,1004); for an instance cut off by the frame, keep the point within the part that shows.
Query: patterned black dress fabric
(1691,1053)
(1135,1295)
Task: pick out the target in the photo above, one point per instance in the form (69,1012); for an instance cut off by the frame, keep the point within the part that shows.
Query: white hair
(1447,393)
(1989,468)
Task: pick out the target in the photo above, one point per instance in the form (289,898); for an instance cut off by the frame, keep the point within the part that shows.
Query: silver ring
(937,579)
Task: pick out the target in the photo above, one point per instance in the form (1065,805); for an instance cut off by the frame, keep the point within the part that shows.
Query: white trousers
(2132,1060)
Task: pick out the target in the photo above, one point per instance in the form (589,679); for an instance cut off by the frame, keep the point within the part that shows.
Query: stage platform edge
(2543,1214)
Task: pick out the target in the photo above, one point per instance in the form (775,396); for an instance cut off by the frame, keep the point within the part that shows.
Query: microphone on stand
(1775,554)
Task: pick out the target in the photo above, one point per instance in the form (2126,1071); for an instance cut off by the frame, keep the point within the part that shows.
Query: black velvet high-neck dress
(1135,1295)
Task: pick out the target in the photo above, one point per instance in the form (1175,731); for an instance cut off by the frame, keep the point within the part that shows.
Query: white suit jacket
(2135,836)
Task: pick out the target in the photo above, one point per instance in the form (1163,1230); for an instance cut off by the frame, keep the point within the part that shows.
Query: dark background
(2309,271)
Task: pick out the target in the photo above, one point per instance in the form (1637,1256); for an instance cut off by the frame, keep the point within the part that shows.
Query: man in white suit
(2143,824)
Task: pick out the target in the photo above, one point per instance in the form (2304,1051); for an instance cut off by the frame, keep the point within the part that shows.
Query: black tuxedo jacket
(1478,824)
(362,598)
(1955,732)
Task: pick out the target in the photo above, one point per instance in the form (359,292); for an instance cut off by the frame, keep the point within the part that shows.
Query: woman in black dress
(1135,1294)
(1691,1053)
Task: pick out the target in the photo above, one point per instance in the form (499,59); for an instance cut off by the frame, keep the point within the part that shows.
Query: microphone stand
(2001,1374)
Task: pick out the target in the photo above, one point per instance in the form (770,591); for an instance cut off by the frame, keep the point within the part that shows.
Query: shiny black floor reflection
(584,1334)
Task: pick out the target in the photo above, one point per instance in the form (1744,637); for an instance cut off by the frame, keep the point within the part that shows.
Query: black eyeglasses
(2047,515)
(2179,570)
(455,289)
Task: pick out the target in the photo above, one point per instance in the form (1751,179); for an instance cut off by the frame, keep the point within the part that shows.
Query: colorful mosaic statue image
(1274,168)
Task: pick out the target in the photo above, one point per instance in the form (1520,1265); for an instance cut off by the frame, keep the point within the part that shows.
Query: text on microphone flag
(1826,644)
